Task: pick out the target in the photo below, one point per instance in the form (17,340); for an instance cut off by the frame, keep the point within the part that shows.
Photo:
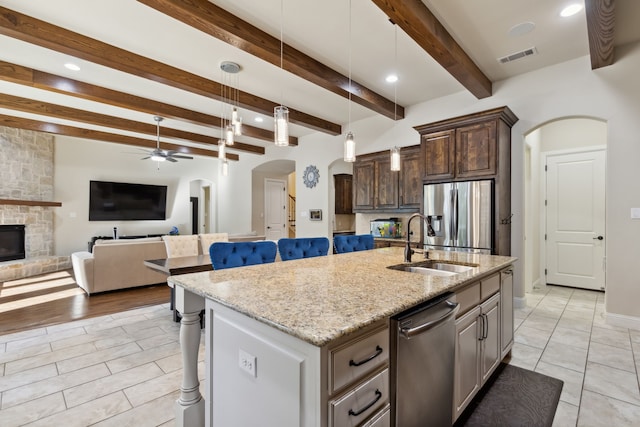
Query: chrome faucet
(430,232)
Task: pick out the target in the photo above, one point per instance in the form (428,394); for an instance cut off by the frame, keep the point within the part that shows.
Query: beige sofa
(118,264)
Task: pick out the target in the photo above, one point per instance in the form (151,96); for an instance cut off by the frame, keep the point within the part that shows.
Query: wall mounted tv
(120,201)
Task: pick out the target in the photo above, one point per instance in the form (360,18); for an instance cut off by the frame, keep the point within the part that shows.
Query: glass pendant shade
(237,127)
(222,150)
(225,167)
(229,131)
(281,125)
(395,159)
(349,149)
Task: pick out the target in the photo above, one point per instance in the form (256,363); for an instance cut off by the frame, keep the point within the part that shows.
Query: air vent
(518,55)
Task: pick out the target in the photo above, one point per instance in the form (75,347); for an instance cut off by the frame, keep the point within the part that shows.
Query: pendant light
(395,151)
(349,143)
(230,96)
(225,167)
(281,113)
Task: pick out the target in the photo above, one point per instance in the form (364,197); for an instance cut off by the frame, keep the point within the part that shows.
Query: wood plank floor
(54,298)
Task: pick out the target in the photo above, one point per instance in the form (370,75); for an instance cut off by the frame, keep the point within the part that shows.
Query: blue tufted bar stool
(238,254)
(303,247)
(360,242)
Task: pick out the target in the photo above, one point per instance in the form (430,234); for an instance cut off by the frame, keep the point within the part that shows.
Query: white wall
(78,161)
(570,89)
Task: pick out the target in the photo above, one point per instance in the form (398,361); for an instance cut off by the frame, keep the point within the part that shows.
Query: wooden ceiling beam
(50,82)
(41,33)
(217,22)
(601,30)
(423,27)
(57,129)
(67,113)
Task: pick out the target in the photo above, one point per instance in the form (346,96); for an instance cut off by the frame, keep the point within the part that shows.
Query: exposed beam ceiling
(52,110)
(39,79)
(217,22)
(40,126)
(600,28)
(423,27)
(35,31)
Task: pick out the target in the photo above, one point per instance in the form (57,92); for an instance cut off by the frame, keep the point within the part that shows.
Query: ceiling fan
(159,155)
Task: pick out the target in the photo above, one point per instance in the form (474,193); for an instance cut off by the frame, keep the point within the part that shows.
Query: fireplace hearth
(12,242)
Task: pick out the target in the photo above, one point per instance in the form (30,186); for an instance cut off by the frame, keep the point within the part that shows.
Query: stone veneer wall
(27,174)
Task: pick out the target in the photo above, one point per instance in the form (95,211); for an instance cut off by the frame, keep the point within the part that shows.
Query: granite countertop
(321,299)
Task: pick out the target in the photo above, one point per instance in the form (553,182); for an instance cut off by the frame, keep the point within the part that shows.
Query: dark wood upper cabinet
(410,178)
(343,193)
(363,184)
(476,150)
(438,151)
(386,184)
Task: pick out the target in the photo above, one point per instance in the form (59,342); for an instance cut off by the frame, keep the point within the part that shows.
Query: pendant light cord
(350,52)
(281,49)
(395,85)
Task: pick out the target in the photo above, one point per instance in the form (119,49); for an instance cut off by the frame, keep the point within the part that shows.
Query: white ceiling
(318,28)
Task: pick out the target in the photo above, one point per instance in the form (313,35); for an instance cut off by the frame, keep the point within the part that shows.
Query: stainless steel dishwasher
(422,363)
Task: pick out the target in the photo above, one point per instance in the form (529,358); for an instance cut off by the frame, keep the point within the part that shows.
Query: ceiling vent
(518,55)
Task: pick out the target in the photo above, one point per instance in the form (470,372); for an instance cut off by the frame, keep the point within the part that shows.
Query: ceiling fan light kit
(159,155)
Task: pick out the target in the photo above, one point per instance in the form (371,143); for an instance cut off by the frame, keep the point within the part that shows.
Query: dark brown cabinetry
(377,188)
(475,146)
(343,193)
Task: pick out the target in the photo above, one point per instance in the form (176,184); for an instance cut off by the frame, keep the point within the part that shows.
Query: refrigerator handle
(454,222)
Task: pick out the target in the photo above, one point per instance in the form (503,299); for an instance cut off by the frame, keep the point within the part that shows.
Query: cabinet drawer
(489,286)
(354,360)
(468,298)
(381,419)
(358,404)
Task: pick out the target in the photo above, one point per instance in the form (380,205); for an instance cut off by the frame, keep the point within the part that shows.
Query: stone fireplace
(27,184)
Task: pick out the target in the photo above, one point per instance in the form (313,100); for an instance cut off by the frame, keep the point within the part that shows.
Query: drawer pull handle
(373,402)
(368,359)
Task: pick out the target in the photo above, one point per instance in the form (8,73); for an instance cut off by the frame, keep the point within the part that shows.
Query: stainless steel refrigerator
(459,216)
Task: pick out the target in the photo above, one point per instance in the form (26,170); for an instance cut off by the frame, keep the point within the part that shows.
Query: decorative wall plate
(311,176)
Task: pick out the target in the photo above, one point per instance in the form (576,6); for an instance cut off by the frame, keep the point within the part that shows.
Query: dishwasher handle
(409,333)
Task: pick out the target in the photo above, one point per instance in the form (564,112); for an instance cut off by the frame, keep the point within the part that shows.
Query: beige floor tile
(89,413)
(154,388)
(572,387)
(145,356)
(32,410)
(612,382)
(154,413)
(25,352)
(109,323)
(47,358)
(548,311)
(525,356)
(578,313)
(566,415)
(532,337)
(611,356)
(156,341)
(635,336)
(566,356)
(571,337)
(48,338)
(28,376)
(613,338)
(98,356)
(77,323)
(601,411)
(78,395)
(22,335)
(577,324)
(546,324)
(53,385)
(85,338)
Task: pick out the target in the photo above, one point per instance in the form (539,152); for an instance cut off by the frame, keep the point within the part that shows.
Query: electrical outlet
(635,213)
(247,363)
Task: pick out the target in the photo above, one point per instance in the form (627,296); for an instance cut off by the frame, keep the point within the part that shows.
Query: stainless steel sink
(434,267)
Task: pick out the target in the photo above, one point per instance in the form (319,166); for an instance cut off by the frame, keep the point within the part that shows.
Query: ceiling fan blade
(180,156)
(171,159)
(145,158)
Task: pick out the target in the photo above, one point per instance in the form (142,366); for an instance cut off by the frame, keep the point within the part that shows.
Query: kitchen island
(275,333)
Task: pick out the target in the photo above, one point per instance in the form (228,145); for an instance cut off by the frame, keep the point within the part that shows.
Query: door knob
(598,238)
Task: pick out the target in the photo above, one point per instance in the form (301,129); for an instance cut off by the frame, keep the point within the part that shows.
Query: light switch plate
(635,213)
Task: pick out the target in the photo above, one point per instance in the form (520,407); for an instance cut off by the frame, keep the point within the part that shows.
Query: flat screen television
(121,201)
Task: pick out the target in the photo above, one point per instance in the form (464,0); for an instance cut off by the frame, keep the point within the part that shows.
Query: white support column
(190,405)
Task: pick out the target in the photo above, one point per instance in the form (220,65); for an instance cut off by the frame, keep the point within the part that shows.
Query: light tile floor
(125,369)
(562,333)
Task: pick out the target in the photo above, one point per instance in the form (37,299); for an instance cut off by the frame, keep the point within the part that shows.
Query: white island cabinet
(302,343)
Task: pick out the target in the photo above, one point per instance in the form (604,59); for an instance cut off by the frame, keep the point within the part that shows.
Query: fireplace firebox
(11,242)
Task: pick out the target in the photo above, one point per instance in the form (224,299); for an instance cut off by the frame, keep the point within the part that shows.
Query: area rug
(514,397)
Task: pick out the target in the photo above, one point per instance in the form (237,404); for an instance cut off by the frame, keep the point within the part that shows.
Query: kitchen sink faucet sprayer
(430,232)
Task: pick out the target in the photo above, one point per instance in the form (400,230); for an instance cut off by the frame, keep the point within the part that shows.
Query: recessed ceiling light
(521,29)
(259,119)
(571,10)
(391,78)
(71,66)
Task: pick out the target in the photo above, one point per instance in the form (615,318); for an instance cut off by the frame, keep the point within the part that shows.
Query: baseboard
(630,322)
(519,302)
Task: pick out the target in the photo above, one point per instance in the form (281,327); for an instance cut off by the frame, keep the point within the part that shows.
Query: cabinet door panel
(386,184)
(506,311)
(438,153)
(491,349)
(410,179)
(363,190)
(343,193)
(466,374)
(476,150)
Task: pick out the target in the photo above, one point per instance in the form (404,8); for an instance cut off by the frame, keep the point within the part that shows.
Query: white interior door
(275,216)
(575,220)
